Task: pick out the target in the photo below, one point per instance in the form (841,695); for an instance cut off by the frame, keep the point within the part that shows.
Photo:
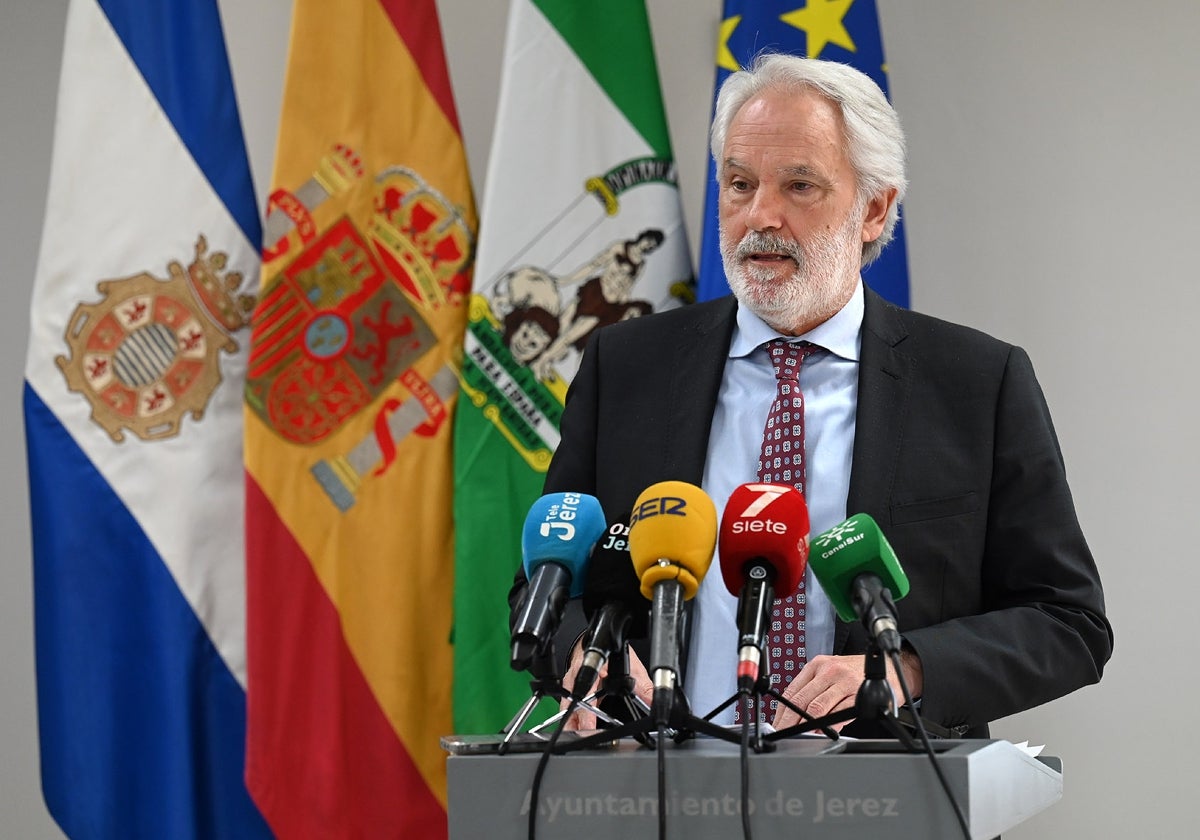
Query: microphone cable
(535,790)
(920,726)
(748,708)
(662,783)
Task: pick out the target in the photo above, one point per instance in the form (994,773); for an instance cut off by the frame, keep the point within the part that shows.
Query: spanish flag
(351,382)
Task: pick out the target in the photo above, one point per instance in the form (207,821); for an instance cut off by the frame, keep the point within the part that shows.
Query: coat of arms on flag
(347,316)
(148,352)
(529,324)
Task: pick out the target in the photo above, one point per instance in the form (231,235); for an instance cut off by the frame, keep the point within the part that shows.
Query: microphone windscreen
(611,577)
(562,528)
(765,523)
(848,550)
(677,522)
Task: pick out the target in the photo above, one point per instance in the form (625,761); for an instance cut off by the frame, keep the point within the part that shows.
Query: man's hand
(829,684)
(582,719)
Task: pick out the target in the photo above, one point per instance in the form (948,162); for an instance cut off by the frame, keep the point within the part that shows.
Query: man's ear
(877,212)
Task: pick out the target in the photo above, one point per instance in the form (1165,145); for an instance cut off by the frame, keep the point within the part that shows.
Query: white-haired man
(939,432)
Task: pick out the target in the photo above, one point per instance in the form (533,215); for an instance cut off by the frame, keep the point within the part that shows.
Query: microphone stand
(616,690)
(762,690)
(545,683)
(681,723)
(874,702)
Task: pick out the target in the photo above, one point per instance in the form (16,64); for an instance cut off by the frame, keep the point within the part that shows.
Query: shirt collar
(839,335)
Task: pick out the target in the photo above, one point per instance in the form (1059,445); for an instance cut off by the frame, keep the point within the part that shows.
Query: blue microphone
(556,544)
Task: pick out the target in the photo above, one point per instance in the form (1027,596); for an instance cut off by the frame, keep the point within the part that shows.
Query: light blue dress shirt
(829,382)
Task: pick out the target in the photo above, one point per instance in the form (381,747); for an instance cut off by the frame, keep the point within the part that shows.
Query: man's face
(792,226)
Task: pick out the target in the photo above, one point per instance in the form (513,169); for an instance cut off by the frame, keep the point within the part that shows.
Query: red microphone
(764,547)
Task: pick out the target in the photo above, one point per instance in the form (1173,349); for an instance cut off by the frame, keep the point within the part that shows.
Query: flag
(133,422)
(836,30)
(351,381)
(581,227)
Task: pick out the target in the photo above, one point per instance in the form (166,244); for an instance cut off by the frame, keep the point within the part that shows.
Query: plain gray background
(1055,202)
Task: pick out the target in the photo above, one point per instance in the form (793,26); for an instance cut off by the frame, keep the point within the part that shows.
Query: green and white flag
(581,227)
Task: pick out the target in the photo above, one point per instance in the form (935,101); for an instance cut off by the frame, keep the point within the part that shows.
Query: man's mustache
(757,242)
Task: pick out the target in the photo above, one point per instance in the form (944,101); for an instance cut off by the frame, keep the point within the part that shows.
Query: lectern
(810,787)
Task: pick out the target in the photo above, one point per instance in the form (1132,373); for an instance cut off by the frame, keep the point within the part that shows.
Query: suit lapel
(698,363)
(885,378)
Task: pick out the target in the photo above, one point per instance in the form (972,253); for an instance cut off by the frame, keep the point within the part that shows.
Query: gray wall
(1053,193)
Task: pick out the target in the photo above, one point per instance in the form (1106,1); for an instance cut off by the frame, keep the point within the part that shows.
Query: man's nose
(766,210)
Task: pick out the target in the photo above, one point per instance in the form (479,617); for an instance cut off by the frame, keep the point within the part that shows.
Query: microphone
(556,542)
(606,633)
(672,533)
(859,572)
(613,603)
(611,577)
(764,547)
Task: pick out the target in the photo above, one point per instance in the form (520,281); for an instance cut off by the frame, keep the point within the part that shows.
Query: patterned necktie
(782,462)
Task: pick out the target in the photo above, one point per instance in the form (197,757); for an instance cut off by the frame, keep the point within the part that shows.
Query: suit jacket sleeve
(1025,623)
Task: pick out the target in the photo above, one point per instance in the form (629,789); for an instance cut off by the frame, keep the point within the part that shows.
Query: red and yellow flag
(350,384)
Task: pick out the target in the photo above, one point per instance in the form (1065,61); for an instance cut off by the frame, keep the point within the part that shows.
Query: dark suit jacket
(954,456)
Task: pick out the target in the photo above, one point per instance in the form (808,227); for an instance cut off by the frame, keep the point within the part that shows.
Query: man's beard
(819,286)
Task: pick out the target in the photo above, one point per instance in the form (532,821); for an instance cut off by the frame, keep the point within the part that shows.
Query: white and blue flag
(133,415)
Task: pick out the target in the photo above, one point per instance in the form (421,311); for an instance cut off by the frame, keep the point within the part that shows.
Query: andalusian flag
(835,30)
(351,383)
(137,351)
(581,228)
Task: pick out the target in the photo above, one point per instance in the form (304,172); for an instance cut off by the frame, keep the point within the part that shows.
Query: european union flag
(835,30)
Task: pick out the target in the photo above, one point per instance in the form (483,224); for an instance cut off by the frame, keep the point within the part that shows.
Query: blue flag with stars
(834,30)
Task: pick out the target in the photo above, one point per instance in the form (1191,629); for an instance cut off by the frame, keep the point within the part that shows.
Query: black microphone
(556,543)
(613,603)
(605,634)
(611,577)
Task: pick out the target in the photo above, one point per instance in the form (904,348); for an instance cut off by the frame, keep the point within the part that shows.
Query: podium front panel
(811,788)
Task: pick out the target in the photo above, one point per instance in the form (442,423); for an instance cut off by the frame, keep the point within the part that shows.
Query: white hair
(874,139)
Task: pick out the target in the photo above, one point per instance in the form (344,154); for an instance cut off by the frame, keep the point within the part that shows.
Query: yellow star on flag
(821,21)
(725,58)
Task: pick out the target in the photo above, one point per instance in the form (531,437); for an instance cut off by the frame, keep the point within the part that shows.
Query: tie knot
(787,356)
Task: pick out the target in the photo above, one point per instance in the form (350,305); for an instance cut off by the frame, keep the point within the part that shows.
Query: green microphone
(859,572)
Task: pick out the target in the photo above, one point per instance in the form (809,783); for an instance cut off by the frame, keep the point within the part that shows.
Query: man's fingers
(576,721)
(643,687)
(827,684)
(580,718)
(830,701)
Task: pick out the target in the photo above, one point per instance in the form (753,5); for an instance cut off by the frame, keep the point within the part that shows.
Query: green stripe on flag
(486,692)
(627,72)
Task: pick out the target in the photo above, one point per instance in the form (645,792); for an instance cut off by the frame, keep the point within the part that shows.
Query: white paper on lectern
(1032,752)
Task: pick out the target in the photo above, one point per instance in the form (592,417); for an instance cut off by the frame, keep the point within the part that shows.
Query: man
(937,431)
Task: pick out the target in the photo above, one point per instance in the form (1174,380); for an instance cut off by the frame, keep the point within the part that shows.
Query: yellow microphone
(672,534)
